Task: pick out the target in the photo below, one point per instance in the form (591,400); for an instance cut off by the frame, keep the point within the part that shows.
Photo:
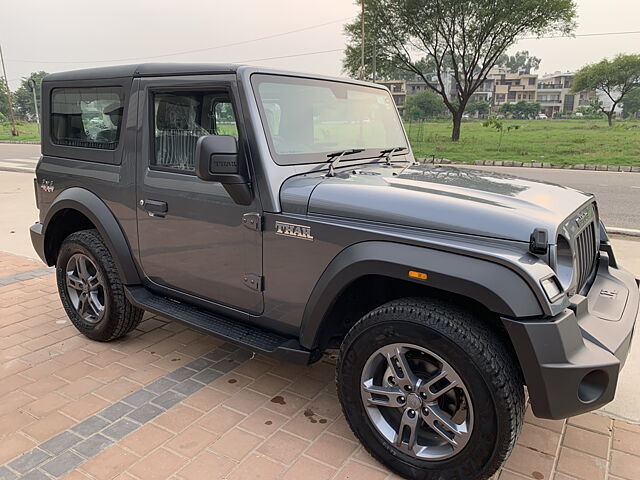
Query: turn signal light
(418,275)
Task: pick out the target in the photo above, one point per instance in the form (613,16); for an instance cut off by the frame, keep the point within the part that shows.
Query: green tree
(506,109)
(4,101)
(631,104)
(499,125)
(462,40)
(423,105)
(525,109)
(519,62)
(613,78)
(481,107)
(23,96)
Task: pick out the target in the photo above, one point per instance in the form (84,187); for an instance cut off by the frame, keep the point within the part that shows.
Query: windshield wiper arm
(390,151)
(335,158)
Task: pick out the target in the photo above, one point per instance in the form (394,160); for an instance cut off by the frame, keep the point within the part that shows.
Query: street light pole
(32,84)
(362,46)
(14,130)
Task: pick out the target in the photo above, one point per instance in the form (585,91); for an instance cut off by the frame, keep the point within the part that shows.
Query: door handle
(155,206)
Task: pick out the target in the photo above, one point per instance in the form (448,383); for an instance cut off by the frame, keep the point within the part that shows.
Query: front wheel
(430,390)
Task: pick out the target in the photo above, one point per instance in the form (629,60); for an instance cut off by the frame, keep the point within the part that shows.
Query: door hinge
(254,282)
(253,221)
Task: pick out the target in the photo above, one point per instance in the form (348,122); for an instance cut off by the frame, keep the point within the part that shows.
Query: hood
(445,198)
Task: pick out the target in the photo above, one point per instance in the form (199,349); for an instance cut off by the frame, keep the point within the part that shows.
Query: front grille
(585,254)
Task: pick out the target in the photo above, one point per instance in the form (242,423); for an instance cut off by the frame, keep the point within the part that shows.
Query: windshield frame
(317,158)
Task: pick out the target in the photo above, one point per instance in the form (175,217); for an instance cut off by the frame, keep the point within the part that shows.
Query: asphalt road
(618,193)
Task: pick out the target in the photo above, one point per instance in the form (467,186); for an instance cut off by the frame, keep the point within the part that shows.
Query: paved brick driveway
(169,403)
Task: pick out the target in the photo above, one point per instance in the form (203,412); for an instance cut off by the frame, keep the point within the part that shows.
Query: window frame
(55,141)
(94,155)
(151,115)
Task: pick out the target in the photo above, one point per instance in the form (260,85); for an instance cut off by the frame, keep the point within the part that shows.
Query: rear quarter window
(88,117)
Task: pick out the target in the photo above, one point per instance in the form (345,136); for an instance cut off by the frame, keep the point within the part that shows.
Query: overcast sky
(69,34)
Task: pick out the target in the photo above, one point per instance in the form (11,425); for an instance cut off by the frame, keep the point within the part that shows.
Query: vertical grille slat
(586,254)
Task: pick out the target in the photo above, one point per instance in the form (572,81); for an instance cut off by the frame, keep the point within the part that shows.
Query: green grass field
(28,132)
(558,142)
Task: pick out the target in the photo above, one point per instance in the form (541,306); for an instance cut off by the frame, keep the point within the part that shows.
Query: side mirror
(218,160)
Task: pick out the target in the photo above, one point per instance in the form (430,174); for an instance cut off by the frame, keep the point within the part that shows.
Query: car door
(193,238)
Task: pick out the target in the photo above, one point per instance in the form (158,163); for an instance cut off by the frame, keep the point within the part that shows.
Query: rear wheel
(430,391)
(90,288)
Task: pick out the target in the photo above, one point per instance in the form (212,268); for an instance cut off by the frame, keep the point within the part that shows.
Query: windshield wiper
(335,158)
(390,151)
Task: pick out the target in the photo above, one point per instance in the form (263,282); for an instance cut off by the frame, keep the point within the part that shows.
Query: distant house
(552,92)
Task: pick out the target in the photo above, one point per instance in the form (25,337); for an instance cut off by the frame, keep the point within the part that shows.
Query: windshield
(308,119)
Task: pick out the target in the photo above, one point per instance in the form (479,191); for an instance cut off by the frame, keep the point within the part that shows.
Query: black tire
(120,316)
(482,361)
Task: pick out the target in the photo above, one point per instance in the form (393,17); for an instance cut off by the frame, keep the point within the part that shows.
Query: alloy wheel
(85,287)
(417,401)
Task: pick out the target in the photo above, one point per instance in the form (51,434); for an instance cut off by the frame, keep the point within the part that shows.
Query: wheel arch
(487,287)
(79,209)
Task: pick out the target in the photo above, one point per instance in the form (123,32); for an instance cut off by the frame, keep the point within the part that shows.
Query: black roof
(143,70)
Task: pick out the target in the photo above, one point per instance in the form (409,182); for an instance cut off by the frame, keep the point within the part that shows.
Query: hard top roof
(143,70)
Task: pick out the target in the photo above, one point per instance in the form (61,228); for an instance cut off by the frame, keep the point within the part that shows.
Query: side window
(181,118)
(87,117)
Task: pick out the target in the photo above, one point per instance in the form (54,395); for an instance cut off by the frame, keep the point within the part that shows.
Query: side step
(249,336)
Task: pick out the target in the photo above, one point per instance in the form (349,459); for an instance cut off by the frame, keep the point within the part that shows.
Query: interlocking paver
(91,446)
(6,474)
(61,442)
(166,403)
(62,464)
(145,413)
(168,399)
(139,398)
(120,429)
(116,411)
(90,426)
(29,460)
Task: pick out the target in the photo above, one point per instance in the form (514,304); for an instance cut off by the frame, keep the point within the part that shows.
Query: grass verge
(560,142)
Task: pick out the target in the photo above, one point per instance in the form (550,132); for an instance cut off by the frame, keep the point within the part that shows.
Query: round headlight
(564,262)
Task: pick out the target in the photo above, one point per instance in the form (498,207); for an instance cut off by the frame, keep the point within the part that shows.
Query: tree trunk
(457,122)
(610,117)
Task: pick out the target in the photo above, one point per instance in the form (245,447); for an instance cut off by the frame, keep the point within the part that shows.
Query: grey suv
(286,213)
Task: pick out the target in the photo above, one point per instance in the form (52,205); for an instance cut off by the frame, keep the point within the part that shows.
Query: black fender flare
(499,288)
(96,210)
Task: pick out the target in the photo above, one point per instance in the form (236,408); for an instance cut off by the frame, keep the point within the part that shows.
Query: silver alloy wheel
(85,287)
(417,401)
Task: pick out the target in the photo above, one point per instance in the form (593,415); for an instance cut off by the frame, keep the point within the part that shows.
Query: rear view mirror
(218,160)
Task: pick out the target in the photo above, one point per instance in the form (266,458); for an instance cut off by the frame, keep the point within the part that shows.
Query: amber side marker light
(418,275)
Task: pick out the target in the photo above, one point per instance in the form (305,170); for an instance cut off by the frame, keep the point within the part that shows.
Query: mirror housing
(218,160)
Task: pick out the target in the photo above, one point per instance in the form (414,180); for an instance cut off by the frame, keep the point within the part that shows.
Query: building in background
(552,91)
(513,87)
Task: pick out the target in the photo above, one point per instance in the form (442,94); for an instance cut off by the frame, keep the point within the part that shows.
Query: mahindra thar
(286,213)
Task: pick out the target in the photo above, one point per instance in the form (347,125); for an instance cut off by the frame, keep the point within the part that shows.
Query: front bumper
(571,362)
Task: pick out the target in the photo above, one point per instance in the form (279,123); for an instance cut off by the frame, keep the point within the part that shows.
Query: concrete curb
(629,232)
(17,142)
(500,163)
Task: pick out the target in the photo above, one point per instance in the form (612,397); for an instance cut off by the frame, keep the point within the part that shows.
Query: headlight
(564,262)
(551,287)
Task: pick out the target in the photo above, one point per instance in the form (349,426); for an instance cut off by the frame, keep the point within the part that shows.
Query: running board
(243,334)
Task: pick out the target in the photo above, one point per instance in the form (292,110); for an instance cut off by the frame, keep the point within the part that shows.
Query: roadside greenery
(465,39)
(614,78)
(560,142)
(424,105)
(28,131)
